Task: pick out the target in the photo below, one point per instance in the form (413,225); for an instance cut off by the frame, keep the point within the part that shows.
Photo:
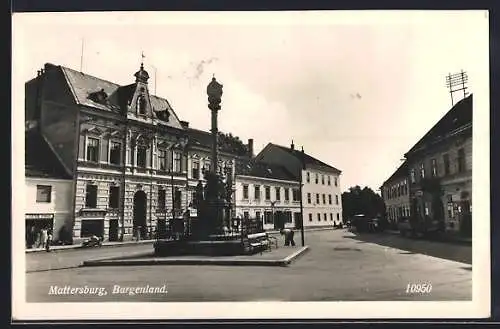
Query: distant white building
(269,193)
(49,192)
(321,193)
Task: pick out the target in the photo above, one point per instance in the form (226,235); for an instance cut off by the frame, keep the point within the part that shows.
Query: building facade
(48,191)
(321,192)
(396,195)
(134,164)
(440,170)
(268,193)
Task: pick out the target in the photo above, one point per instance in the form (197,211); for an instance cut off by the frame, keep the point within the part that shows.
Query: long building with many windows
(268,193)
(321,196)
(134,165)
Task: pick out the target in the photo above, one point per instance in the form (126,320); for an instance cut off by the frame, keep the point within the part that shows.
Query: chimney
(250,147)
(292,146)
(185,124)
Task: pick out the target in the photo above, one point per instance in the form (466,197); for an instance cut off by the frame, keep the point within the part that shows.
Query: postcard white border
(477,308)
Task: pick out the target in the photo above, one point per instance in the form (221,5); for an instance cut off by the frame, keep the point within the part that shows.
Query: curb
(79,246)
(116,261)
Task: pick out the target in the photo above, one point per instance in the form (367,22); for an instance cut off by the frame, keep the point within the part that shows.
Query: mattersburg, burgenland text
(103,291)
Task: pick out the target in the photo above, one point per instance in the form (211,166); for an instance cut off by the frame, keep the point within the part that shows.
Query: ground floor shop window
(37,231)
(92,227)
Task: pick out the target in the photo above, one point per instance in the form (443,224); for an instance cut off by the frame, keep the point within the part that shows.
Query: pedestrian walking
(49,241)
(288,233)
(43,237)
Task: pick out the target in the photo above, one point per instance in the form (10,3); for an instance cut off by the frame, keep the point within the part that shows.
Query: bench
(261,241)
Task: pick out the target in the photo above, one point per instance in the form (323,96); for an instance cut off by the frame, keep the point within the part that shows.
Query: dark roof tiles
(309,160)
(263,170)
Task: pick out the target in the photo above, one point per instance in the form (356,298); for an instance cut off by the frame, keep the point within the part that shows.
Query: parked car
(413,227)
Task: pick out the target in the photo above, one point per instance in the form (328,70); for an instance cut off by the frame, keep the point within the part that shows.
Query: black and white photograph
(251,165)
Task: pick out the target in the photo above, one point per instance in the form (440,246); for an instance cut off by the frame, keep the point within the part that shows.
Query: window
(162,196)
(328,180)
(329,199)
(257,192)
(195,170)
(338,216)
(245,192)
(310,217)
(288,216)
(308,197)
(461,160)
(336,199)
(257,215)
(141,156)
(177,161)
(278,194)
(316,178)
(268,217)
(422,170)
(412,175)
(331,217)
(433,167)
(268,192)
(162,160)
(324,199)
(207,167)
(336,181)
(194,199)
(296,194)
(323,179)
(317,198)
(246,215)
(115,153)
(43,193)
(319,217)
(398,190)
(308,177)
(446,160)
(287,194)
(141,105)
(91,196)
(93,149)
(324,217)
(177,199)
(114,197)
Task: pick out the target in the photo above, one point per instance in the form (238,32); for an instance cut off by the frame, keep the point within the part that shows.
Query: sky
(355,89)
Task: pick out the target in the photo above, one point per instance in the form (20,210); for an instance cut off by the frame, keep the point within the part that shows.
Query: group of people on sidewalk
(39,238)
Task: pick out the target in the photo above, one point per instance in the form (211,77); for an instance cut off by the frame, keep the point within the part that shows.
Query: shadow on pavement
(454,252)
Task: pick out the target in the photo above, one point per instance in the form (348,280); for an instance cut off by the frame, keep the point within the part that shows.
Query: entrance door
(139,222)
(279,222)
(297,221)
(113,230)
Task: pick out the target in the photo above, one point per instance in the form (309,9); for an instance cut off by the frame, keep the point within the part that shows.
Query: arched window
(141,105)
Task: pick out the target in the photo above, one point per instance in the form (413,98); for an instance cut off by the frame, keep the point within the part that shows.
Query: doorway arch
(140,206)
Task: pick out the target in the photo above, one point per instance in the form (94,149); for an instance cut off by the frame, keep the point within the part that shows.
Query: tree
(362,201)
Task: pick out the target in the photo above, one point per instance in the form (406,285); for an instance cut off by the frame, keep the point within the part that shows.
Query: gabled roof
(263,170)
(40,160)
(308,160)
(459,116)
(83,85)
(227,145)
(401,172)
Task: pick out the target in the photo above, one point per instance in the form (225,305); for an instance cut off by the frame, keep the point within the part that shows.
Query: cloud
(200,66)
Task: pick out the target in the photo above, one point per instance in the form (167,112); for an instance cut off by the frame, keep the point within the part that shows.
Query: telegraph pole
(303,167)
(457,82)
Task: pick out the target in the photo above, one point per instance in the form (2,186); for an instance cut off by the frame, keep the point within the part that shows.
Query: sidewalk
(126,243)
(449,238)
(282,256)
(79,246)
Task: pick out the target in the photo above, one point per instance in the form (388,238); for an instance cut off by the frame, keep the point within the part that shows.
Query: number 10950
(418,288)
